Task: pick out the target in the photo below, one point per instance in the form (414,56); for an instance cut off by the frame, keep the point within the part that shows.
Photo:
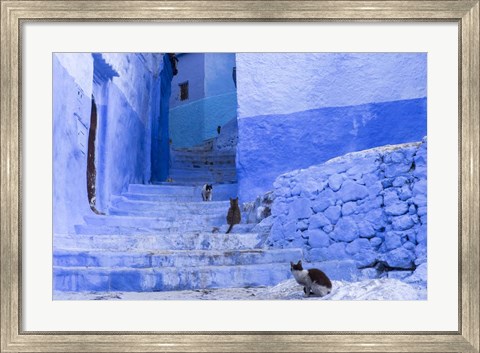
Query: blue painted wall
(193,123)
(218,73)
(296,110)
(211,104)
(71,121)
(282,83)
(271,145)
(191,68)
(160,132)
(122,143)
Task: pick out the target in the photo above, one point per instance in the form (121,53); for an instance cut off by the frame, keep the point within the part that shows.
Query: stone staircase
(202,164)
(164,237)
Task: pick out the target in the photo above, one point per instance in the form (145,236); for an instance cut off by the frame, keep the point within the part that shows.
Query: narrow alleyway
(164,237)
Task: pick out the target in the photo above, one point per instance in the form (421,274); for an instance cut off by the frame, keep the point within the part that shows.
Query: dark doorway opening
(91,170)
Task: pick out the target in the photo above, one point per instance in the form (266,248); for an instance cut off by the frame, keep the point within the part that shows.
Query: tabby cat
(233,216)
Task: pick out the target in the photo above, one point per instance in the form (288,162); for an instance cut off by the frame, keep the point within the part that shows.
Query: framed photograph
(240,176)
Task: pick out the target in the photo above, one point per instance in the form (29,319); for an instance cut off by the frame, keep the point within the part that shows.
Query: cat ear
(299,262)
(291,263)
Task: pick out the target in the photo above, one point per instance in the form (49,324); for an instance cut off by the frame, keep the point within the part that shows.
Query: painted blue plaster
(271,145)
(282,83)
(196,122)
(71,121)
(218,73)
(160,130)
(121,134)
(124,157)
(79,67)
(191,68)
(212,97)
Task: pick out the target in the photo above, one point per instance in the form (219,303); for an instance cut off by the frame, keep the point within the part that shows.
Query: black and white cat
(314,281)
(207,192)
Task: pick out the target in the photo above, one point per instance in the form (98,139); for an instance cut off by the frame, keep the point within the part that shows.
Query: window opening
(183,91)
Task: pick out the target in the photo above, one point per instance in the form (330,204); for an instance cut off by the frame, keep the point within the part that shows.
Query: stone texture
(318,238)
(403,222)
(352,191)
(346,230)
(321,204)
(358,245)
(397,209)
(335,182)
(333,213)
(400,258)
(373,216)
(392,240)
(300,208)
(348,208)
(318,220)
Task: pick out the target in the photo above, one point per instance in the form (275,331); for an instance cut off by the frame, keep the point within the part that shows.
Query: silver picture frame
(16,13)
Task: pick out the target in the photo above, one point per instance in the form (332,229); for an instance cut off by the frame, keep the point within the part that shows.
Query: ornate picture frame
(16,13)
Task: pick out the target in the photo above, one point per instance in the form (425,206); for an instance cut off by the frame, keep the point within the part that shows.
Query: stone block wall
(368,206)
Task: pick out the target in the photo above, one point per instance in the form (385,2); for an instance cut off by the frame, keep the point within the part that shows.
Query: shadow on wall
(271,145)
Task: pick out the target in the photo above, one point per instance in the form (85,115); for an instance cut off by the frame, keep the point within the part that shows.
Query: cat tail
(229,228)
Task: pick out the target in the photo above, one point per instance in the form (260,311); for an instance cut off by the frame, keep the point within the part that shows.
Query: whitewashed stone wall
(369,206)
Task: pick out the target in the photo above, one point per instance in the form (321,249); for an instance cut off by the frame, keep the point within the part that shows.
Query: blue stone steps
(207,162)
(201,177)
(168,278)
(180,214)
(179,193)
(164,237)
(197,197)
(129,221)
(153,242)
(187,206)
(89,229)
(202,164)
(172,258)
(124,204)
(144,221)
(181,190)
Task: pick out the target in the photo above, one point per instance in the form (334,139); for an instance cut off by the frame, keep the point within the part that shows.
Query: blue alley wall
(71,121)
(218,73)
(160,135)
(122,142)
(271,145)
(283,83)
(193,123)
(212,97)
(300,109)
(191,69)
